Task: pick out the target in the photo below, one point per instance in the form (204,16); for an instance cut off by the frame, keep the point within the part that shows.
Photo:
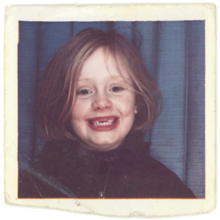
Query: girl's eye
(84,92)
(116,89)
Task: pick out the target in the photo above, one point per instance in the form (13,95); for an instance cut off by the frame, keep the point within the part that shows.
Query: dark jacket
(60,172)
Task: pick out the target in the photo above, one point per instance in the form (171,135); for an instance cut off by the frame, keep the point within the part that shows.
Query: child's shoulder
(161,182)
(57,149)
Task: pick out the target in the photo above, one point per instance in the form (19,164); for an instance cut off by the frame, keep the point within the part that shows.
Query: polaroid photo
(110,110)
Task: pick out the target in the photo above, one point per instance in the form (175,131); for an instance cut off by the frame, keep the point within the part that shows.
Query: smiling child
(104,111)
(97,99)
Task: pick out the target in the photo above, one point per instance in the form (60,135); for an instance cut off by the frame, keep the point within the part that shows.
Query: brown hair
(59,87)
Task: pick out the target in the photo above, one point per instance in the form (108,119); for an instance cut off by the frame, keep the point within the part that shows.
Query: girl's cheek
(76,108)
(128,98)
(80,106)
(126,105)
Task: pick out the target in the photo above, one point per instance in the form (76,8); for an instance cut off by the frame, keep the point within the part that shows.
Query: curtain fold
(196,104)
(170,76)
(174,54)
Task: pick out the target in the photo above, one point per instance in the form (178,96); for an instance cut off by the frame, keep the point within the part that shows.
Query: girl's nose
(101,102)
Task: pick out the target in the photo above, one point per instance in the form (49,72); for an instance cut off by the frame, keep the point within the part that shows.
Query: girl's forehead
(106,62)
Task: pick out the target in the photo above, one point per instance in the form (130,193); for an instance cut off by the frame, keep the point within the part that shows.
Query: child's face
(104,110)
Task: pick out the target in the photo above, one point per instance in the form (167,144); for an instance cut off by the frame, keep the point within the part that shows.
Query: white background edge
(21,212)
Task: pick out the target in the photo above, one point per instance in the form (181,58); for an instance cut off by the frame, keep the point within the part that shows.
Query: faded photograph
(111,110)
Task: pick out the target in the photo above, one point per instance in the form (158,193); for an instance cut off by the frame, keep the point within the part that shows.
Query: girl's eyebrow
(121,78)
(84,79)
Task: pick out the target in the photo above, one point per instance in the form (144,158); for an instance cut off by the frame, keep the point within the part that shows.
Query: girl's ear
(135,110)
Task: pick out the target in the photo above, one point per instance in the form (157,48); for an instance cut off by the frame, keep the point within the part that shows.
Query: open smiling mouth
(103,123)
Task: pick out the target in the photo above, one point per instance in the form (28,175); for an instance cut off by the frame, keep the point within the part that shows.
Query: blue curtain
(174,54)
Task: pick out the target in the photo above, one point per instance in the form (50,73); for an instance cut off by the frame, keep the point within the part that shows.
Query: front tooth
(96,123)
